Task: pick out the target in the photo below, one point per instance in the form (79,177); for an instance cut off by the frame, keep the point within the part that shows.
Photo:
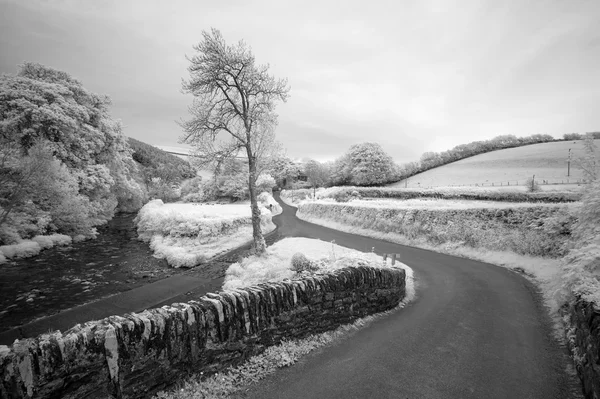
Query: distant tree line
(430,160)
(367,164)
(580,136)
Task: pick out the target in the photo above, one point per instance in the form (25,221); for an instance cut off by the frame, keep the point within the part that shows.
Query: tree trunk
(258,246)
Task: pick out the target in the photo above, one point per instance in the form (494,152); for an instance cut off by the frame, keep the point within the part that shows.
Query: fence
(506,183)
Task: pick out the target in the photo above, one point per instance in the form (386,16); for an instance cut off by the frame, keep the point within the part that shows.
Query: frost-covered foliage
(266,201)
(365,164)
(265,182)
(582,266)
(465,193)
(38,194)
(284,170)
(28,248)
(196,190)
(295,197)
(189,234)
(159,188)
(276,263)
(24,249)
(317,173)
(589,162)
(300,262)
(527,230)
(65,164)
(52,240)
(532,185)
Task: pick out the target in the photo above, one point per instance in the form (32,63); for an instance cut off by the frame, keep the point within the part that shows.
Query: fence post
(393,259)
(384,257)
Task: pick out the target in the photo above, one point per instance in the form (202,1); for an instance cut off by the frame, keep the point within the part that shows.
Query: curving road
(475,330)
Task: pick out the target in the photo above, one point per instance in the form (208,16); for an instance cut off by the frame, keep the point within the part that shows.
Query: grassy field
(547,161)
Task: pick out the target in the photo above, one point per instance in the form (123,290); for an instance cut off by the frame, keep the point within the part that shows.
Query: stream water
(63,277)
(60,278)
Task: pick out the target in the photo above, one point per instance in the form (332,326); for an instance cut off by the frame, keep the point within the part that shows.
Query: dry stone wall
(585,345)
(135,355)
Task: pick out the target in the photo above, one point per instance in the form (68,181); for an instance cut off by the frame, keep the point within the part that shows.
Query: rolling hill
(547,161)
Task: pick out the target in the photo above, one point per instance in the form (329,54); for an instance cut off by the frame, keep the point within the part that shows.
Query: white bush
(79,238)
(44,242)
(49,241)
(61,239)
(24,249)
(265,199)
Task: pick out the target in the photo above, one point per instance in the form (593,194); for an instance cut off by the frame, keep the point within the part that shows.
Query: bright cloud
(414,76)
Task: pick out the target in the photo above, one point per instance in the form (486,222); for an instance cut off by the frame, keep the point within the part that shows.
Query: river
(60,278)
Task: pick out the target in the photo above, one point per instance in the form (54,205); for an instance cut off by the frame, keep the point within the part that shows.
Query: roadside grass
(547,161)
(275,263)
(329,257)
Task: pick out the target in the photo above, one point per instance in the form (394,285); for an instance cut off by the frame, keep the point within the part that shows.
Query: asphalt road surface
(475,330)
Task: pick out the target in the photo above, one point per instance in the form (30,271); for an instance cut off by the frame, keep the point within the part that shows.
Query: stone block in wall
(585,317)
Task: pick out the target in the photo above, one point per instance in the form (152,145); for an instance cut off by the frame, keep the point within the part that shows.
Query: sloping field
(547,161)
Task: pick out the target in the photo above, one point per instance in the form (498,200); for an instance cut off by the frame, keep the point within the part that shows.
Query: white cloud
(414,76)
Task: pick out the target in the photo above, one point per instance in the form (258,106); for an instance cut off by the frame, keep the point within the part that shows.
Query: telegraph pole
(569,164)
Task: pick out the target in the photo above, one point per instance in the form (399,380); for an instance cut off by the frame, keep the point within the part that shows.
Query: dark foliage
(158,163)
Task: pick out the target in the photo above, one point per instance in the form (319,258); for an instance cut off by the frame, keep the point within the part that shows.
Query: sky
(413,76)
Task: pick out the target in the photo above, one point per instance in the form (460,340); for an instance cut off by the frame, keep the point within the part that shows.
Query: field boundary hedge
(459,193)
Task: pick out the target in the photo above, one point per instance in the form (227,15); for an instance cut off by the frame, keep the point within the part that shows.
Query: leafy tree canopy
(49,114)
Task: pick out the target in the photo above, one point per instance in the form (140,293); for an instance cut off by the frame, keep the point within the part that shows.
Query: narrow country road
(474,331)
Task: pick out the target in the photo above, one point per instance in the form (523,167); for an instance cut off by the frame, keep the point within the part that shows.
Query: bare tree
(233,110)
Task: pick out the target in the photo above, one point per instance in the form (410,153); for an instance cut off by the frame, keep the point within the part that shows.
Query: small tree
(316,173)
(532,185)
(265,182)
(236,97)
(364,165)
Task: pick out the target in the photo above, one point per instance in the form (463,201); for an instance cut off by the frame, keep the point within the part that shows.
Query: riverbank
(116,261)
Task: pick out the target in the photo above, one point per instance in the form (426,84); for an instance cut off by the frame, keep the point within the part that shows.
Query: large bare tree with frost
(233,110)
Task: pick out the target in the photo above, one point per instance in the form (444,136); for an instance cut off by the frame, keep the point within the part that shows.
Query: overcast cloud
(414,76)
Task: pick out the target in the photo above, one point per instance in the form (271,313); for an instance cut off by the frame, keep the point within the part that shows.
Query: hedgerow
(464,193)
(539,230)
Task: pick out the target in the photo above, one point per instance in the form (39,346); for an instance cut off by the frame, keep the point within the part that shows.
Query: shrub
(532,185)
(23,249)
(192,186)
(341,196)
(265,182)
(193,197)
(300,262)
